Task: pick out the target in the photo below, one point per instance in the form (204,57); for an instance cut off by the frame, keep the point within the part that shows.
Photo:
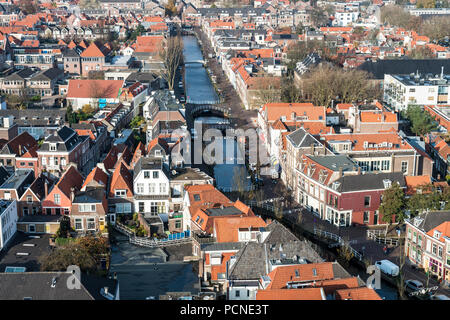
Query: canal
(230,175)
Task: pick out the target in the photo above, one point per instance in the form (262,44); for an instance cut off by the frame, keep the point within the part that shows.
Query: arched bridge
(213,109)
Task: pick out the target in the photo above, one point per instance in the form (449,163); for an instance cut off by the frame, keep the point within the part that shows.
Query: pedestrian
(385,250)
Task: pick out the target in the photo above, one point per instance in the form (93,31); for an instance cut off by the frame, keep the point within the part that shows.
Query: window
(155,174)
(141,206)
(57,198)
(404,166)
(29,199)
(162,188)
(434,249)
(385,165)
(366,217)
(121,193)
(44,161)
(238,293)
(86,207)
(7,195)
(63,161)
(151,187)
(440,252)
(196,197)
(52,146)
(177,224)
(78,224)
(146,174)
(91,224)
(367,201)
(140,188)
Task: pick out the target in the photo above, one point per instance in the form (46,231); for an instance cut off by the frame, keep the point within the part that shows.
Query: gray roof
(66,139)
(149,164)
(48,74)
(300,138)
(90,196)
(404,66)
(20,181)
(430,220)
(226,211)
(4,174)
(252,259)
(334,162)
(369,181)
(222,246)
(37,286)
(21,74)
(279,233)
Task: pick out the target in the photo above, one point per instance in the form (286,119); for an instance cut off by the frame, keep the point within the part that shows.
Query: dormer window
(52,146)
(387,183)
(437,234)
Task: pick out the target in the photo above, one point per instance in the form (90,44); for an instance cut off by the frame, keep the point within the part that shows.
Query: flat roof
(226,211)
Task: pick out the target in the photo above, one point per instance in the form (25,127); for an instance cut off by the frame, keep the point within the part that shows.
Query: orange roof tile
(361,293)
(85,88)
(227,228)
(291,294)
(371,116)
(97,175)
(443,228)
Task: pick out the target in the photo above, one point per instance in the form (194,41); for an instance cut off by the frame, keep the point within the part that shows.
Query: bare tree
(267,91)
(172,57)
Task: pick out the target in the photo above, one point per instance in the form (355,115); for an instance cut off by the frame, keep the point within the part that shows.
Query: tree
(71,116)
(89,4)
(326,83)
(318,17)
(140,29)
(64,228)
(267,91)
(436,28)
(421,121)
(278,210)
(396,16)
(426,4)
(393,204)
(172,57)
(421,53)
(70,254)
(28,6)
(136,122)
(171,8)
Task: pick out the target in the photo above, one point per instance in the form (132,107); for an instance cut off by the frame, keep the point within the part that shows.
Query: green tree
(421,121)
(393,204)
(140,29)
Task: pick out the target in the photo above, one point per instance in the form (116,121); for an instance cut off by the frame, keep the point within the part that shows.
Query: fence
(123,229)
(375,236)
(339,241)
(155,243)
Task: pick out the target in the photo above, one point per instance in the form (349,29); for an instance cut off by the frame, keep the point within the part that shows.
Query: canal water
(199,89)
(231,175)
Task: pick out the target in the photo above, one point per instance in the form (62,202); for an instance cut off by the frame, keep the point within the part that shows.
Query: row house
(427,243)
(334,189)
(89,210)
(99,140)
(63,148)
(151,187)
(90,33)
(277,247)
(32,82)
(93,58)
(16,185)
(120,192)
(61,196)
(30,203)
(439,150)
(315,281)
(16,149)
(41,57)
(294,113)
(380,152)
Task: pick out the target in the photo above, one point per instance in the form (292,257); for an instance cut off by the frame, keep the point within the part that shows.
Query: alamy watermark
(74,280)
(237,146)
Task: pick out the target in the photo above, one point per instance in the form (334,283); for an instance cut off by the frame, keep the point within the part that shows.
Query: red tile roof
(227,228)
(361,293)
(108,89)
(291,294)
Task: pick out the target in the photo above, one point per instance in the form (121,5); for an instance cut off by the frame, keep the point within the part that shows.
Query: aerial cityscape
(224,150)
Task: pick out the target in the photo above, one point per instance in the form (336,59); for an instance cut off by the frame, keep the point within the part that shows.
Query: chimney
(45,188)
(340,172)
(312,148)
(359,170)
(20,150)
(72,194)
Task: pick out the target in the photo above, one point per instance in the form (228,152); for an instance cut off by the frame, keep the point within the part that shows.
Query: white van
(388,267)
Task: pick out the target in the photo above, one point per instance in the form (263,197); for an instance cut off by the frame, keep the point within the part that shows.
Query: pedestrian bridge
(209,108)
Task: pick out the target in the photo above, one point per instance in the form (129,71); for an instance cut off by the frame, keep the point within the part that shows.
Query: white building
(345,18)
(8,221)
(415,89)
(151,187)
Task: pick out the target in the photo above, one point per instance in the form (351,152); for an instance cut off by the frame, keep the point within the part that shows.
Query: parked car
(439,297)
(182,100)
(388,267)
(414,285)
